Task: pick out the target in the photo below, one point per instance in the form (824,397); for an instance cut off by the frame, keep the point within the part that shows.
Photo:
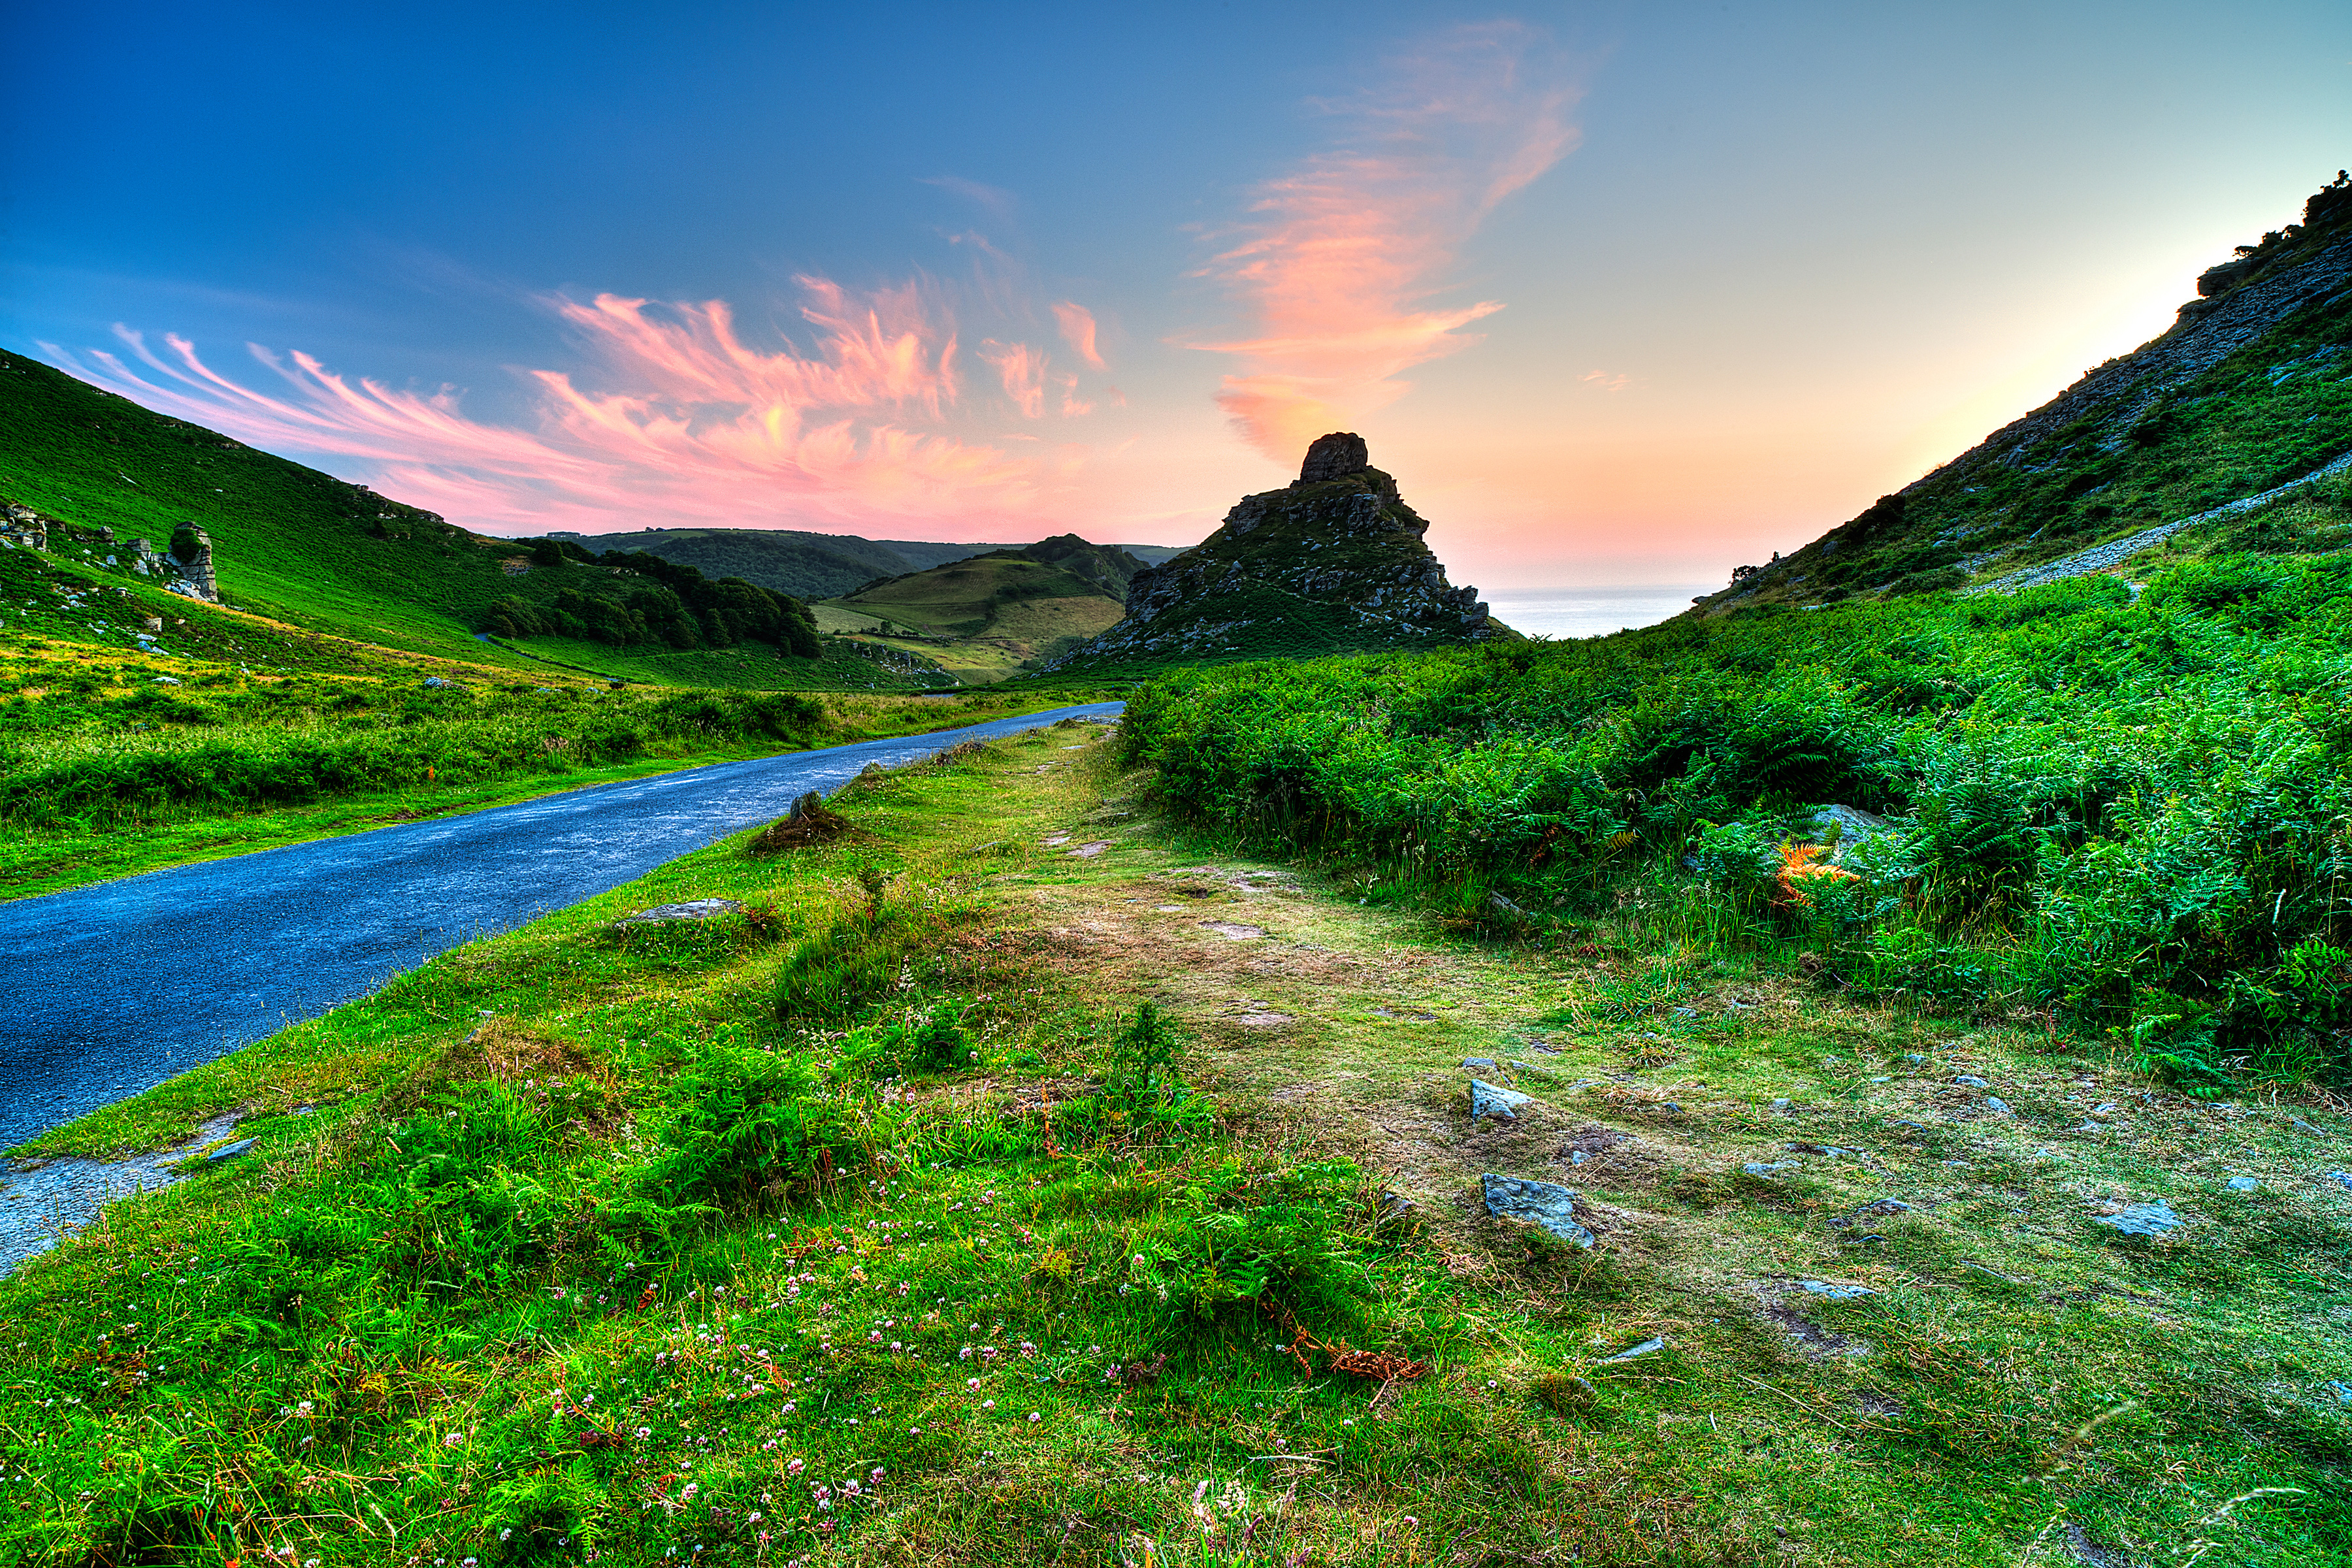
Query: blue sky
(1622,293)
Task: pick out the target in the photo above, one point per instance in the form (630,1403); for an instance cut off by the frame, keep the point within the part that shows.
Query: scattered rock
(1758,1168)
(1835,1291)
(693,909)
(1544,1203)
(2243,1184)
(1779,1105)
(230,1151)
(1486,1099)
(2300,1125)
(1233,932)
(1969,1081)
(2108,1109)
(434,682)
(1056,841)
(1647,1347)
(1848,829)
(1996,1105)
(2341,1178)
(2143,1219)
(1479,1064)
(1884,1206)
(1393,1205)
(1088,851)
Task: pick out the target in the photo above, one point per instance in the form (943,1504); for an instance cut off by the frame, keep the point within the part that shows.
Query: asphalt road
(113,988)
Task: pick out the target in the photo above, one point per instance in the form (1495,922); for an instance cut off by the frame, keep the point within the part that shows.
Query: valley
(1857,1072)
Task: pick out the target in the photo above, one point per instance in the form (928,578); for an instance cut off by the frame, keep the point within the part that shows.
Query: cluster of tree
(661,603)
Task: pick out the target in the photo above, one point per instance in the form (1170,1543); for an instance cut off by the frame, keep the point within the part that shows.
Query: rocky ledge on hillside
(1333,564)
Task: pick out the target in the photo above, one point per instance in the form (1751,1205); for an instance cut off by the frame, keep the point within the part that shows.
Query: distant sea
(1589,611)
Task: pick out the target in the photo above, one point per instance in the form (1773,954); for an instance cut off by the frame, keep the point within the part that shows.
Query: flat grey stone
(1836,1291)
(2243,1184)
(1969,1081)
(2300,1125)
(1485,1100)
(1480,1064)
(231,1150)
(1544,1203)
(1647,1347)
(1996,1105)
(1884,1206)
(2341,1178)
(1779,1105)
(1758,1168)
(2144,1219)
(694,910)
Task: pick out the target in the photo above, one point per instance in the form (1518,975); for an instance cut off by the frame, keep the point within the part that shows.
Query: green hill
(308,551)
(807,565)
(987,616)
(2250,390)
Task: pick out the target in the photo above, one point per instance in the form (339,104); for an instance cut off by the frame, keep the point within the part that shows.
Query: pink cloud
(1606,380)
(1345,250)
(1023,371)
(673,418)
(1079,330)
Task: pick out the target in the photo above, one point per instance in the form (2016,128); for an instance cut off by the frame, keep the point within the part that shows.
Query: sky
(1620,293)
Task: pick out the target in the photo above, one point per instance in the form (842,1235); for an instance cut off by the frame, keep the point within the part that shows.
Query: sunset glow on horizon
(1619,296)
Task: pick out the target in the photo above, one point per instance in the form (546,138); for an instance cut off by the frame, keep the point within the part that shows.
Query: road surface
(113,988)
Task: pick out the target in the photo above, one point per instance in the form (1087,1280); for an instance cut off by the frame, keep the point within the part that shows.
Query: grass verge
(585,1252)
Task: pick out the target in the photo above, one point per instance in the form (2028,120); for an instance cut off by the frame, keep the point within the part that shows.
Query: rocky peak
(1334,457)
(1332,564)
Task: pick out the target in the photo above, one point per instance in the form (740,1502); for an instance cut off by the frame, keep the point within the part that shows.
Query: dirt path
(1754,1151)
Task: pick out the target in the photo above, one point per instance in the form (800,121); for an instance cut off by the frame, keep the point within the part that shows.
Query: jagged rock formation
(2234,402)
(1333,564)
(23,525)
(186,570)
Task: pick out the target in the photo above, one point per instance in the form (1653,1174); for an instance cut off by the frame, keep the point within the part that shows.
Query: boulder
(1335,457)
(1543,1203)
(2143,1219)
(1485,1100)
(693,909)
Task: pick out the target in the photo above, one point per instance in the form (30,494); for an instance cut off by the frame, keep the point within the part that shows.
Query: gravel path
(2115,551)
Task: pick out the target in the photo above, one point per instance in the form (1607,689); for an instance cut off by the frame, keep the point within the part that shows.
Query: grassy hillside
(2251,389)
(987,618)
(1021,1180)
(805,565)
(2122,814)
(309,550)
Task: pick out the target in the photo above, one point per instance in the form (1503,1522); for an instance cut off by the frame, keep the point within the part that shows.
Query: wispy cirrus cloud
(1079,330)
(671,416)
(1344,253)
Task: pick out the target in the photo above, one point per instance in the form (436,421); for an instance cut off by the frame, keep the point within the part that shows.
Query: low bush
(2096,798)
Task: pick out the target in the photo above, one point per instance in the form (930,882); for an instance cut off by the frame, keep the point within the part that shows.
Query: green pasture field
(1017,1178)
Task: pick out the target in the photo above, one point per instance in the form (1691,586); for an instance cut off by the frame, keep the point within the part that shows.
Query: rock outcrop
(23,525)
(1332,564)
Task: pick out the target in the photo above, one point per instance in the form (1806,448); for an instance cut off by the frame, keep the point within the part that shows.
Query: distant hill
(2251,389)
(1152,554)
(989,616)
(806,565)
(1335,563)
(1106,566)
